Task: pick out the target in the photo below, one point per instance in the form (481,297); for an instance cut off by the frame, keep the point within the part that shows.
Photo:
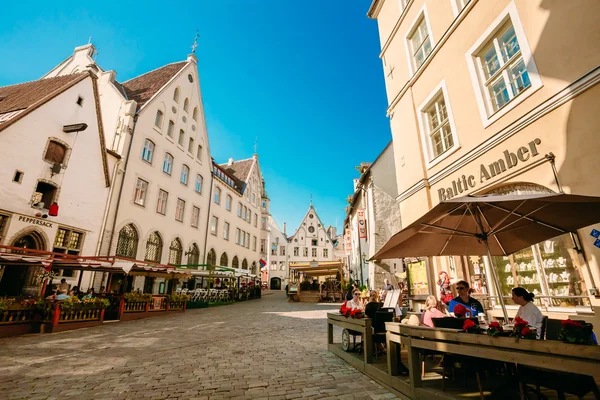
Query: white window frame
(458,6)
(487,114)
(424,128)
(185,174)
(228,201)
(226,230)
(214,225)
(180,210)
(199,181)
(403,5)
(168,170)
(422,14)
(325,253)
(140,192)
(237,235)
(148,153)
(161,203)
(195,217)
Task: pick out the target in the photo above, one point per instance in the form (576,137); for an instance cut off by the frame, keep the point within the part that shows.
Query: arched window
(224,260)
(176,95)
(235,263)
(170,129)
(253,270)
(195,114)
(244,264)
(55,153)
(128,242)
(154,248)
(185,173)
(159,118)
(186,105)
(211,257)
(191,145)
(218,195)
(168,164)
(148,151)
(175,252)
(194,255)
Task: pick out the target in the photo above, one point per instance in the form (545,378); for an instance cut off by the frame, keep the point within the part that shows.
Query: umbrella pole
(496,282)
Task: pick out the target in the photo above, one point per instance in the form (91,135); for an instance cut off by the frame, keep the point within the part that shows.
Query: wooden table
(548,354)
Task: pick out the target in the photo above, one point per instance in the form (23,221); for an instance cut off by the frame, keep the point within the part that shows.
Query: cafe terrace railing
(18,321)
(56,319)
(152,306)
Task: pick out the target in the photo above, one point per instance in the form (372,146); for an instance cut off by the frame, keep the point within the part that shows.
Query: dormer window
(55,153)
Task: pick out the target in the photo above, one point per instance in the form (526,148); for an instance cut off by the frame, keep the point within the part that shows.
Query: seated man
(472,305)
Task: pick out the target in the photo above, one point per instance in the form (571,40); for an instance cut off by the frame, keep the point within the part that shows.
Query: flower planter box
(176,306)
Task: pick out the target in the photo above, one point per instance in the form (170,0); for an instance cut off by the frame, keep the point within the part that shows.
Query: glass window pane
(499,94)
(490,62)
(519,77)
(509,44)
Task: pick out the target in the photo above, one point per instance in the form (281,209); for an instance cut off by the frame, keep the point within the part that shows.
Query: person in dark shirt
(373,305)
(472,305)
(350,291)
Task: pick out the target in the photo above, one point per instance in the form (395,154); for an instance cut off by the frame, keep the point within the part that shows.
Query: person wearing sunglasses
(473,305)
(356,302)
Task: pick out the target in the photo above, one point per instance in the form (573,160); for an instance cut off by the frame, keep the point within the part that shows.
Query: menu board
(417,278)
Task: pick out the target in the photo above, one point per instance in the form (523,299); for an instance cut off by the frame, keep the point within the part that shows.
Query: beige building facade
(496,97)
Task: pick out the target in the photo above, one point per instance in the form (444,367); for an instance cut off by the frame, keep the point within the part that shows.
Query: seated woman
(431,311)
(527,310)
(356,302)
(373,305)
(90,294)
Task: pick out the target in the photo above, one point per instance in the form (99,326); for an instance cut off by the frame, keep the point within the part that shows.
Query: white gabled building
(55,176)
(236,222)
(278,256)
(158,207)
(373,217)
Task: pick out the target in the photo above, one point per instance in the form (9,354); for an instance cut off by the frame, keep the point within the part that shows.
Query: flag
(262,262)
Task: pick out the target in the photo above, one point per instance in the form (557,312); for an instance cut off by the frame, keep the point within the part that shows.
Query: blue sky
(304,77)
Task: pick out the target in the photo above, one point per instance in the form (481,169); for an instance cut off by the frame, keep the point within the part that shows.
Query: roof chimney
(230,162)
(284,229)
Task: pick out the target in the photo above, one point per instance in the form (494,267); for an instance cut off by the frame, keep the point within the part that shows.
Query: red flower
(520,323)
(495,325)
(468,325)
(569,323)
(526,331)
(459,309)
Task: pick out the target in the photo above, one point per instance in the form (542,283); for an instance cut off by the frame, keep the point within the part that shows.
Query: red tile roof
(142,88)
(24,95)
(240,169)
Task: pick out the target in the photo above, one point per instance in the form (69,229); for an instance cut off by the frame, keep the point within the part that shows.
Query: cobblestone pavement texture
(258,349)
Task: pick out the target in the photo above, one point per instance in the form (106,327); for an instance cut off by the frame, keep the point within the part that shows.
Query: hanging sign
(348,240)
(362,224)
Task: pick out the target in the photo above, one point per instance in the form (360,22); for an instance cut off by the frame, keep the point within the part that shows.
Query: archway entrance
(14,279)
(275,283)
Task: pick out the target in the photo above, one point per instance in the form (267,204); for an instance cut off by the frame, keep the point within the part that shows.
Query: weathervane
(195,42)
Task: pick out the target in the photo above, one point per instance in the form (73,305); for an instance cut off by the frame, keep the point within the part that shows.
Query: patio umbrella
(492,225)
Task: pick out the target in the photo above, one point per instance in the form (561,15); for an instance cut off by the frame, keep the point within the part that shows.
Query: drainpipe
(112,232)
(212,178)
(110,194)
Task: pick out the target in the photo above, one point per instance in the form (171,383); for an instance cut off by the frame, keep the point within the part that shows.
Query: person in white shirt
(355,302)
(527,310)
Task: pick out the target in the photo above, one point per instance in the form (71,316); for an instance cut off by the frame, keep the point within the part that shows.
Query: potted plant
(577,332)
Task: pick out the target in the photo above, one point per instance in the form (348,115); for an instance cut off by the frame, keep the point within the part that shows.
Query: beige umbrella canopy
(491,225)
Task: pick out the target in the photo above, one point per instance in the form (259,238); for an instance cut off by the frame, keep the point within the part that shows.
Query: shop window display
(548,270)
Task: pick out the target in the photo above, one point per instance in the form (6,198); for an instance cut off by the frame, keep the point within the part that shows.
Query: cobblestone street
(260,349)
